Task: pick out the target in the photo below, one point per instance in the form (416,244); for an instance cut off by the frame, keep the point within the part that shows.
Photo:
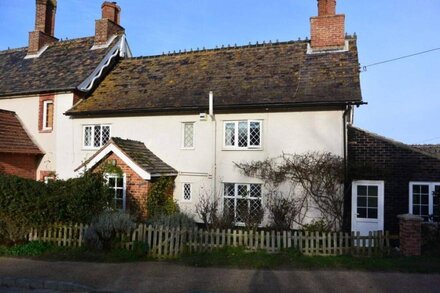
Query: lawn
(234,257)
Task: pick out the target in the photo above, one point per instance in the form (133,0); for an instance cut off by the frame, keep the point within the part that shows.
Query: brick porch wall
(137,188)
(21,165)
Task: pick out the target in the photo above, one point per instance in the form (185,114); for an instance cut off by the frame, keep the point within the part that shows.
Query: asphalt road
(166,277)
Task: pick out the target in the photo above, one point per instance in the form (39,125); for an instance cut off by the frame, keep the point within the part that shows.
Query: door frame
(380,201)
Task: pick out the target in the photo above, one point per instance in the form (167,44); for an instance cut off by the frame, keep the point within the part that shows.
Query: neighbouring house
(88,104)
(18,153)
(44,80)
(389,178)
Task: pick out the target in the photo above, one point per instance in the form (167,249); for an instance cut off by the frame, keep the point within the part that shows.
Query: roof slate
(433,149)
(63,66)
(13,137)
(266,75)
(143,157)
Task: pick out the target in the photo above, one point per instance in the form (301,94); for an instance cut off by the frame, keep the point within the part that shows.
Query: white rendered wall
(27,109)
(289,132)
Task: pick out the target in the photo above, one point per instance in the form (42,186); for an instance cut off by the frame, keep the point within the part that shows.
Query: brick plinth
(410,235)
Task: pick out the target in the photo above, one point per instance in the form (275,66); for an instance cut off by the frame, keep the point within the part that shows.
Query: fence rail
(166,242)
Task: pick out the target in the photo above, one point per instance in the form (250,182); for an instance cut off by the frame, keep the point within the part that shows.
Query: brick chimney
(44,26)
(328,28)
(109,24)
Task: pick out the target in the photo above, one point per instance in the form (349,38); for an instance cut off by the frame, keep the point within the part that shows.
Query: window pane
(362,212)
(230,134)
(424,210)
(97,136)
(243,134)
(242,209)
(424,189)
(87,136)
(105,134)
(188,135)
(49,115)
(416,210)
(372,213)
(416,198)
(372,191)
(229,190)
(119,194)
(242,191)
(362,201)
(187,191)
(229,206)
(255,190)
(362,190)
(120,182)
(254,133)
(372,202)
(112,182)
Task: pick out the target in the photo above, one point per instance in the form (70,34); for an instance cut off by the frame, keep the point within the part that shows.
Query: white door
(367,206)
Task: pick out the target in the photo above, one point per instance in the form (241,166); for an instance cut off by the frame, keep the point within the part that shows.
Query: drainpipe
(214,150)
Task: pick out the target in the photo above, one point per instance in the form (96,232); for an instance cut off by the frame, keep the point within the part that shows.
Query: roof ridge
(61,41)
(220,48)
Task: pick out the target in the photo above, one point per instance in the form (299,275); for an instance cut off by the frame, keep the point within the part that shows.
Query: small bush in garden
(208,210)
(282,209)
(33,248)
(160,198)
(317,226)
(178,220)
(103,231)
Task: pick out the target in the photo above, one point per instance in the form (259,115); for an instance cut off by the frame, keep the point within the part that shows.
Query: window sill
(242,149)
(187,149)
(48,130)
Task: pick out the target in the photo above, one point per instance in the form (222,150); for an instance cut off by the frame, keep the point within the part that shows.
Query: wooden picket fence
(166,242)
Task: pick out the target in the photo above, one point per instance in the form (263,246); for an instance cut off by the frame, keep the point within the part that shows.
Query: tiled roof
(139,154)
(265,75)
(429,148)
(13,137)
(63,66)
(143,157)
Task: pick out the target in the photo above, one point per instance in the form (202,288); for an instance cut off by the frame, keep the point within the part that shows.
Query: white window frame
(183,147)
(190,192)
(248,147)
(45,103)
(432,186)
(236,196)
(124,187)
(92,138)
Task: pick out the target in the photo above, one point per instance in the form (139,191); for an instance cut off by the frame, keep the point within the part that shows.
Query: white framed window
(187,191)
(245,134)
(48,113)
(117,183)
(424,200)
(242,198)
(95,136)
(188,135)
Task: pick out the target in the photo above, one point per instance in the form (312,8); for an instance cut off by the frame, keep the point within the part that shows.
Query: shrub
(320,225)
(208,210)
(160,198)
(103,231)
(282,210)
(27,203)
(177,220)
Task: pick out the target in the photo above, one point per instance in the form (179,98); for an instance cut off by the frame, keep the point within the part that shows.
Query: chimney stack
(109,24)
(44,26)
(328,28)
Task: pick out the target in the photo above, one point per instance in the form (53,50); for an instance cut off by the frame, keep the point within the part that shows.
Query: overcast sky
(403,97)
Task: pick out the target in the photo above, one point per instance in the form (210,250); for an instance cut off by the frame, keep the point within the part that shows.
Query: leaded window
(188,135)
(242,200)
(187,191)
(95,136)
(242,134)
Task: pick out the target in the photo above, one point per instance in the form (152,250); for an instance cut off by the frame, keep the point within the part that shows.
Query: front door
(367,206)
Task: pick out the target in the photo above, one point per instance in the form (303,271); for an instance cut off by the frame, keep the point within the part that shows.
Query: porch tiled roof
(13,137)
